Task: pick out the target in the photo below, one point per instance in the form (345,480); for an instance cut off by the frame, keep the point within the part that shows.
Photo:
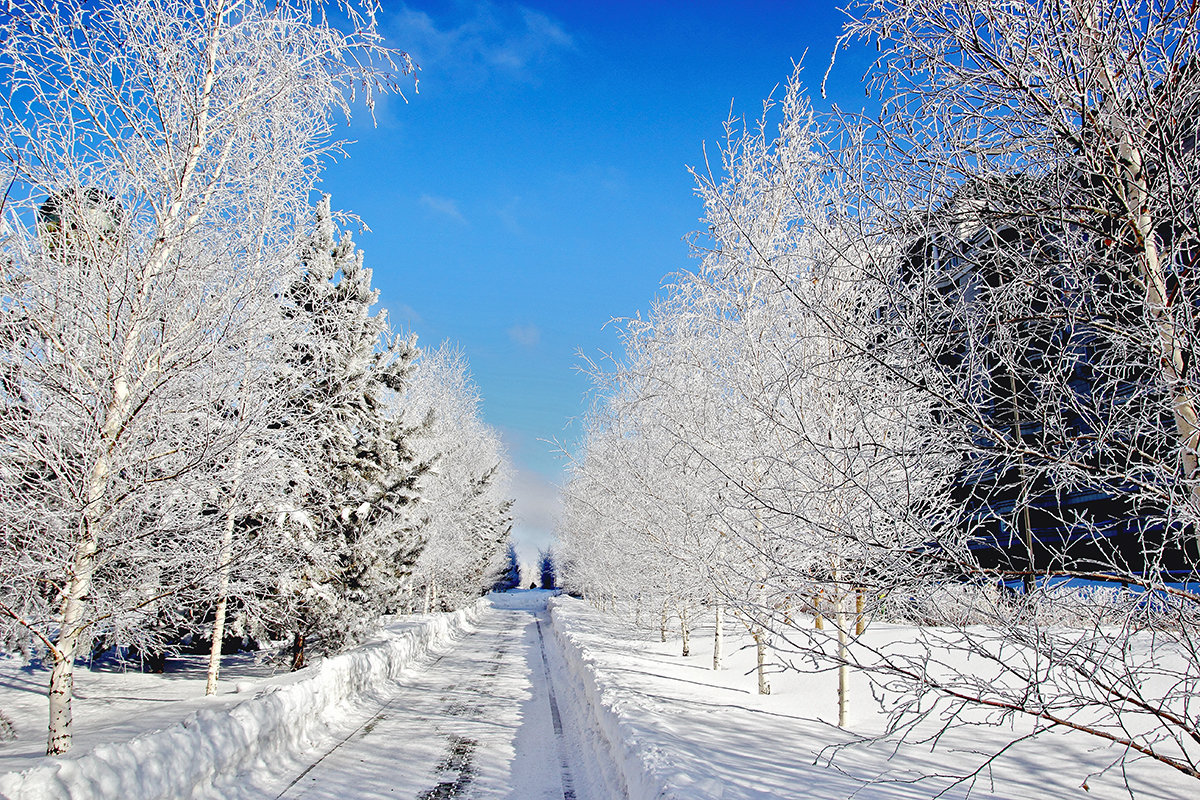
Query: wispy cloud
(443,206)
(537,510)
(525,335)
(509,215)
(497,38)
(405,315)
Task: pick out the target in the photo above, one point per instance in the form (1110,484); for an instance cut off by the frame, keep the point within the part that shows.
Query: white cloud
(443,206)
(405,315)
(525,335)
(498,38)
(537,509)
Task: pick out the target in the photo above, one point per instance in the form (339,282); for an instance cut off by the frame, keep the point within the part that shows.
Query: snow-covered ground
(511,700)
(474,704)
(483,719)
(137,738)
(678,730)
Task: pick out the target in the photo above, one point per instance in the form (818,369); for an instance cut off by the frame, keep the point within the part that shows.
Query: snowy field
(511,700)
(144,736)
(680,730)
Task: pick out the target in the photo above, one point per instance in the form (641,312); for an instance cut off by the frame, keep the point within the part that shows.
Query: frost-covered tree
(465,516)
(546,571)
(177,145)
(510,576)
(356,475)
(796,450)
(1035,168)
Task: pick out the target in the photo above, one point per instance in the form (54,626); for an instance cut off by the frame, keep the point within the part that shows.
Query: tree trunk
(79,583)
(662,630)
(860,619)
(718,636)
(62,673)
(684,630)
(298,645)
(818,620)
(224,566)
(760,643)
(1132,188)
(839,620)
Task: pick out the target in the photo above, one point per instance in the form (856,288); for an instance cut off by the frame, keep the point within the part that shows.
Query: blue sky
(536,186)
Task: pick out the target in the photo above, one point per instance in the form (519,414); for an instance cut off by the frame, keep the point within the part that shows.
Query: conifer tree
(356,479)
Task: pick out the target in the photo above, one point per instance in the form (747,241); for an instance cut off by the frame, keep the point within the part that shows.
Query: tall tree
(1037,171)
(466,511)
(357,474)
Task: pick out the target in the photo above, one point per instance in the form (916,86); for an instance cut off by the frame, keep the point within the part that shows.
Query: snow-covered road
(488,717)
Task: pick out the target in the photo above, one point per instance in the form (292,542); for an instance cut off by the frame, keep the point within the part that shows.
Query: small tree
(546,569)
(510,578)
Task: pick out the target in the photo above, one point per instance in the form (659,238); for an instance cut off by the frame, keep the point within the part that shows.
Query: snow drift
(633,754)
(206,754)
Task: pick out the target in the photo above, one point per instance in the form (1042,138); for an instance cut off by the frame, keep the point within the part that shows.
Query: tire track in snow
(471,722)
(364,728)
(568,782)
(459,763)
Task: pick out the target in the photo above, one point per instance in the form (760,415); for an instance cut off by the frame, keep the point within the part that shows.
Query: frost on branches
(356,474)
(937,369)
(752,421)
(466,518)
(203,432)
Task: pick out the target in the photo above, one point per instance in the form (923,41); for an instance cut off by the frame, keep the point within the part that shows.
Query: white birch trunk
(684,630)
(718,635)
(79,584)
(224,566)
(1132,185)
(760,644)
(218,628)
(839,621)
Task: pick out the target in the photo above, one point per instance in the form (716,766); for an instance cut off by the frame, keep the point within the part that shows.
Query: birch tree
(1036,163)
(465,516)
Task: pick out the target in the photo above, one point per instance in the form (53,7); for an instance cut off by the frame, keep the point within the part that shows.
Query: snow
(228,745)
(514,699)
(676,729)
(476,722)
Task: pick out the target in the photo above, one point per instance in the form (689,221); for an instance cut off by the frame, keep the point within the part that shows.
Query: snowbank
(675,729)
(204,755)
(639,762)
